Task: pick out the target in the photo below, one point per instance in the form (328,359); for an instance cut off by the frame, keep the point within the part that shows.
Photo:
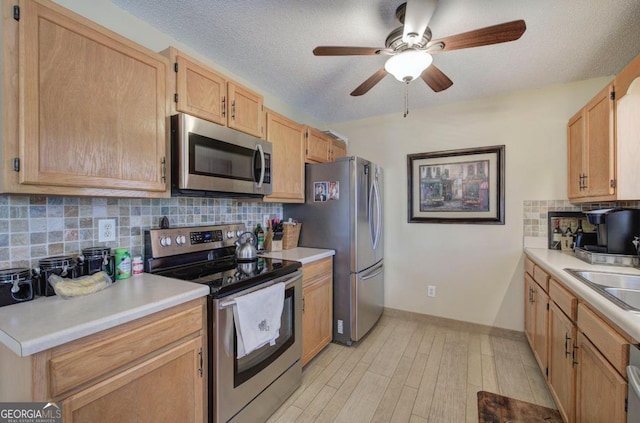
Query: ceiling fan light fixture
(408,65)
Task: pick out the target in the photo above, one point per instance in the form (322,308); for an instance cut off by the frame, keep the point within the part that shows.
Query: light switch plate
(106,230)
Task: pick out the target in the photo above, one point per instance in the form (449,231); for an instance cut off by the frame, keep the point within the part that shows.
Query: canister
(63,266)
(123,263)
(97,259)
(16,286)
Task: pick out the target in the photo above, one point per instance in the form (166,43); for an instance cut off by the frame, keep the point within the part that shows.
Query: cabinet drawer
(541,277)
(322,267)
(611,344)
(529,265)
(564,299)
(89,358)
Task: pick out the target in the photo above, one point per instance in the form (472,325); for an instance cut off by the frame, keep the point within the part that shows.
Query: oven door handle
(288,283)
(262,165)
(634,379)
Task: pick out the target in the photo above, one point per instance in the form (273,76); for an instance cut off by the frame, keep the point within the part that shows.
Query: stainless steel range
(250,388)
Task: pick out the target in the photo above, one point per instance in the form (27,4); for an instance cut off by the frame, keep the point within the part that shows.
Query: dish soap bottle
(259,232)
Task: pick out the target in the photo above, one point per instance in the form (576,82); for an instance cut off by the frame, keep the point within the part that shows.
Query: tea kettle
(246,247)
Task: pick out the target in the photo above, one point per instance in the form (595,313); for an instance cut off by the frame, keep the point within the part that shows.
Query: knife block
(273,241)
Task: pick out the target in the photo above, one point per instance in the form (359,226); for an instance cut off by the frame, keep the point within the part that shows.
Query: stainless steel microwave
(213,160)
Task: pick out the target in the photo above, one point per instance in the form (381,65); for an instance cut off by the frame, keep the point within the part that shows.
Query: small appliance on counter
(616,229)
(16,286)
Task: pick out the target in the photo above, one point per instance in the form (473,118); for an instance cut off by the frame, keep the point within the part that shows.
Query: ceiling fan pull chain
(406,99)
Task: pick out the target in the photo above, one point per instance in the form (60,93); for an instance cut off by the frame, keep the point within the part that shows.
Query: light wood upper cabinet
(338,149)
(287,138)
(245,110)
(603,147)
(87,116)
(318,146)
(200,91)
(591,150)
(317,313)
(321,147)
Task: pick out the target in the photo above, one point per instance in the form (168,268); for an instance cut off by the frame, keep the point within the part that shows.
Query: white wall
(477,269)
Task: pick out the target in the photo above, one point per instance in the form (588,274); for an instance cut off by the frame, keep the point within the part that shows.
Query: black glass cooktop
(226,275)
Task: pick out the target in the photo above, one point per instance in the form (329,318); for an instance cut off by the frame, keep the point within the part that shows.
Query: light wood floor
(411,369)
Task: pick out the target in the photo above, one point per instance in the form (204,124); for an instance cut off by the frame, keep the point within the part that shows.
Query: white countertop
(302,254)
(46,322)
(555,261)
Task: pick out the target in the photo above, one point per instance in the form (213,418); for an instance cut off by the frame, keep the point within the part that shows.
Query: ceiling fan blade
(435,79)
(346,51)
(501,33)
(416,18)
(369,83)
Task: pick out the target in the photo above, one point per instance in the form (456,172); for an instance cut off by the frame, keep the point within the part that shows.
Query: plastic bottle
(137,266)
(123,263)
(260,237)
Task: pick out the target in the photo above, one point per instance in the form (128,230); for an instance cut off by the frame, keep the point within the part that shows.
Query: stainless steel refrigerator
(343,211)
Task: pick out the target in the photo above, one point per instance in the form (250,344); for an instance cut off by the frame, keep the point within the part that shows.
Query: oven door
(214,158)
(237,382)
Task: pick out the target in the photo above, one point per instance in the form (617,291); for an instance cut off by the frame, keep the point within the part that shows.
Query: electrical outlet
(431,291)
(265,218)
(106,230)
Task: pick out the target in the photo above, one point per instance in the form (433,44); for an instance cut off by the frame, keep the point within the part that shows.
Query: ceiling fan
(411,46)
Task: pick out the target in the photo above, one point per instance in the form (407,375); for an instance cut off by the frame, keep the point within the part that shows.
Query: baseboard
(455,324)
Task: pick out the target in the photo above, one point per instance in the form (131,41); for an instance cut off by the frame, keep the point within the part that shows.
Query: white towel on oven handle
(257,317)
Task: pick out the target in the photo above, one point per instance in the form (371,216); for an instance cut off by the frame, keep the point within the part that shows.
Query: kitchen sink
(620,288)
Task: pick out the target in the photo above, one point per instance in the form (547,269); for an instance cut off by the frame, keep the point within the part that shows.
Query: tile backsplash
(535,212)
(35,227)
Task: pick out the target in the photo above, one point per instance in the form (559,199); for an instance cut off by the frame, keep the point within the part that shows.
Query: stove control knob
(180,240)
(230,234)
(238,233)
(165,241)
(229,279)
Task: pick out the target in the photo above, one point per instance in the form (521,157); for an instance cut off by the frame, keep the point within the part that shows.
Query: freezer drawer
(367,296)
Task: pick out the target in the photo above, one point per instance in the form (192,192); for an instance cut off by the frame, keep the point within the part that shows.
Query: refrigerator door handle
(372,232)
(374,274)
(376,190)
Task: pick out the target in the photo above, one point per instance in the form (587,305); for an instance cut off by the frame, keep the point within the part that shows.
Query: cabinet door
(318,146)
(600,390)
(338,149)
(575,155)
(541,301)
(94,104)
(561,377)
(165,388)
(287,138)
(201,92)
(317,321)
(245,110)
(600,152)
(529,310)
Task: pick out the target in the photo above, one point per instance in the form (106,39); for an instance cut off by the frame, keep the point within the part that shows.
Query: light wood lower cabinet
(148,370)
(317,309)
(561,377)
(587,357)
(601,391)
(536,302)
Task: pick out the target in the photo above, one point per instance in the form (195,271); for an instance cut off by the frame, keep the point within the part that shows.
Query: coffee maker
(616,229)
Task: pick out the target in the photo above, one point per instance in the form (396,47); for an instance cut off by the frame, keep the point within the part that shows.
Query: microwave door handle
(262,165)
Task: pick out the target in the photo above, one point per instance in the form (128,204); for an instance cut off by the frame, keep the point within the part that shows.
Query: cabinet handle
(533,295)
(233,110)
(303,304)
(224,106)
(573,355)
(201,363)
(163,170)
(567,338)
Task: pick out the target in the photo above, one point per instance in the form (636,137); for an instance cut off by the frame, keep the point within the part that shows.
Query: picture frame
(457,186)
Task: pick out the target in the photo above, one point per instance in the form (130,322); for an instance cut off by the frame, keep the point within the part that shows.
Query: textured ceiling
(270,43)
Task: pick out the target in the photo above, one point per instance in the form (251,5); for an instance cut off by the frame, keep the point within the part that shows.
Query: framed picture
(457,186)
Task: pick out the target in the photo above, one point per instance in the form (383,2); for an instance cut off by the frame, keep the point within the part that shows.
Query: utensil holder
(291,234)
(273,241)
